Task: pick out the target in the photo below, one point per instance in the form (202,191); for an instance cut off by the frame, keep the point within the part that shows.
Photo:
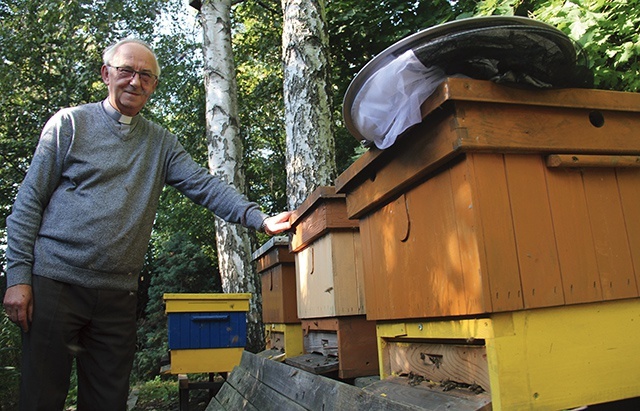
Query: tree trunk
(225,150)
(308,119)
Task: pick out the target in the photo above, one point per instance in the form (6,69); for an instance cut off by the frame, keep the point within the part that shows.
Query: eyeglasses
(128,73)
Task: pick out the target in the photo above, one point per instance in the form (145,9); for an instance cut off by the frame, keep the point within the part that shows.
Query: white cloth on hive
(389,101)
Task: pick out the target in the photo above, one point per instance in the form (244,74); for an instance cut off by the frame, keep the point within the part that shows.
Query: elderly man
(80,227)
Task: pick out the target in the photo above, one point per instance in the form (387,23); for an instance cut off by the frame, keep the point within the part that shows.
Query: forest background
(50,58)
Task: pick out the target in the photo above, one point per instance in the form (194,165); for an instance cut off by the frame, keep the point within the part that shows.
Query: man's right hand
(18,304)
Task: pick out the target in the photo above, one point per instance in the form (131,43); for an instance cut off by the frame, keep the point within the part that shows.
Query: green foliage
(157,394)
(608,33)
(180,266)
(9,363)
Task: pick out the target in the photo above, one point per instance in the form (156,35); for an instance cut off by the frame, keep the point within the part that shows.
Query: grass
(162,395)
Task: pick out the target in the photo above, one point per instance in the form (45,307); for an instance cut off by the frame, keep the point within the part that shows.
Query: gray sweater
(85,210)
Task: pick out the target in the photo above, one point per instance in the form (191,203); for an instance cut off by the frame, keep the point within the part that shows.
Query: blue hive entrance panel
(207,330)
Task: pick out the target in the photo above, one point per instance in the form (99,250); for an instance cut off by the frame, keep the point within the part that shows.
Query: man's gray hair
(110,51)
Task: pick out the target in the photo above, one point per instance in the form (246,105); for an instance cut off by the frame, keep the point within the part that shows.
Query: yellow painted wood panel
(205,360)
(542,359)
(617,276)
(206,302)
(498,237)
(629,184)
(534,234)
(564,357)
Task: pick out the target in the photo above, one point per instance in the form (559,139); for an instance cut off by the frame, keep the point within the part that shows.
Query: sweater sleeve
(224,200)
(33,197)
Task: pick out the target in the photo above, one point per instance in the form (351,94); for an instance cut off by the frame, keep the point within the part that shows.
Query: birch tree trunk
(308,118)
(225,150)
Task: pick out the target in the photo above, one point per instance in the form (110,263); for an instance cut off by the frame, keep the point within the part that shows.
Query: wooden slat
(259,395)
(438,362)
(535,240)
(314,392)
(629,184)
(426,397)
(322,211)
(580,160)
(230,399)
(214,405)
(472,263)
(574,236)
(490,92)
(498,237)
(346,268)
(617,276)
(519,128)
(424,149)
(315,363)
(432,252)
(372,285)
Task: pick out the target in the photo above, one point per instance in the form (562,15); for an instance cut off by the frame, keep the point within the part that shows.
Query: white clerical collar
(115,114)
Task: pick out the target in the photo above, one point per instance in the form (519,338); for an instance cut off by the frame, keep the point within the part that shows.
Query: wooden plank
(579,160)
(322,211)
(477,297)
(434,283)
(373,287)
(535,240)
(214,405)
(564,357)
(314,273)
(314,392)
(314,363)
(491,92)
(357,347)
(615,265)
(438,362)
(574,236)
(629,184)
(321,341)
(260,396)
(346,266)
(230,399)
(423,396)
(273,252)
(279,295)
(497,235)
(520,128)
(424,148)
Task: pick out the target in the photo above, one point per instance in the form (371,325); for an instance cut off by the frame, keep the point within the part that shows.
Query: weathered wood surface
(425,396)
(262,384)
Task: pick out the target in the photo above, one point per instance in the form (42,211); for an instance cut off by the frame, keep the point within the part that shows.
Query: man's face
(129,94)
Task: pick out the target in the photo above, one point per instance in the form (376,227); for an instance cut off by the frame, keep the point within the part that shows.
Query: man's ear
(104,71)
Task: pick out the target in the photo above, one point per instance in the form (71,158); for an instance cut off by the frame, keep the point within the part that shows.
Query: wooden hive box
(337,335)
(502,199)
(207,332)
(326,245)
(277,269)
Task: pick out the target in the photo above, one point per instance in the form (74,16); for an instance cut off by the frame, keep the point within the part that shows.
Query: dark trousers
(97,327)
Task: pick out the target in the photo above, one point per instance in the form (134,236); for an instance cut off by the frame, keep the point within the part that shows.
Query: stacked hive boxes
(207,332)
(277,269)
(501,243)
(330,287)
